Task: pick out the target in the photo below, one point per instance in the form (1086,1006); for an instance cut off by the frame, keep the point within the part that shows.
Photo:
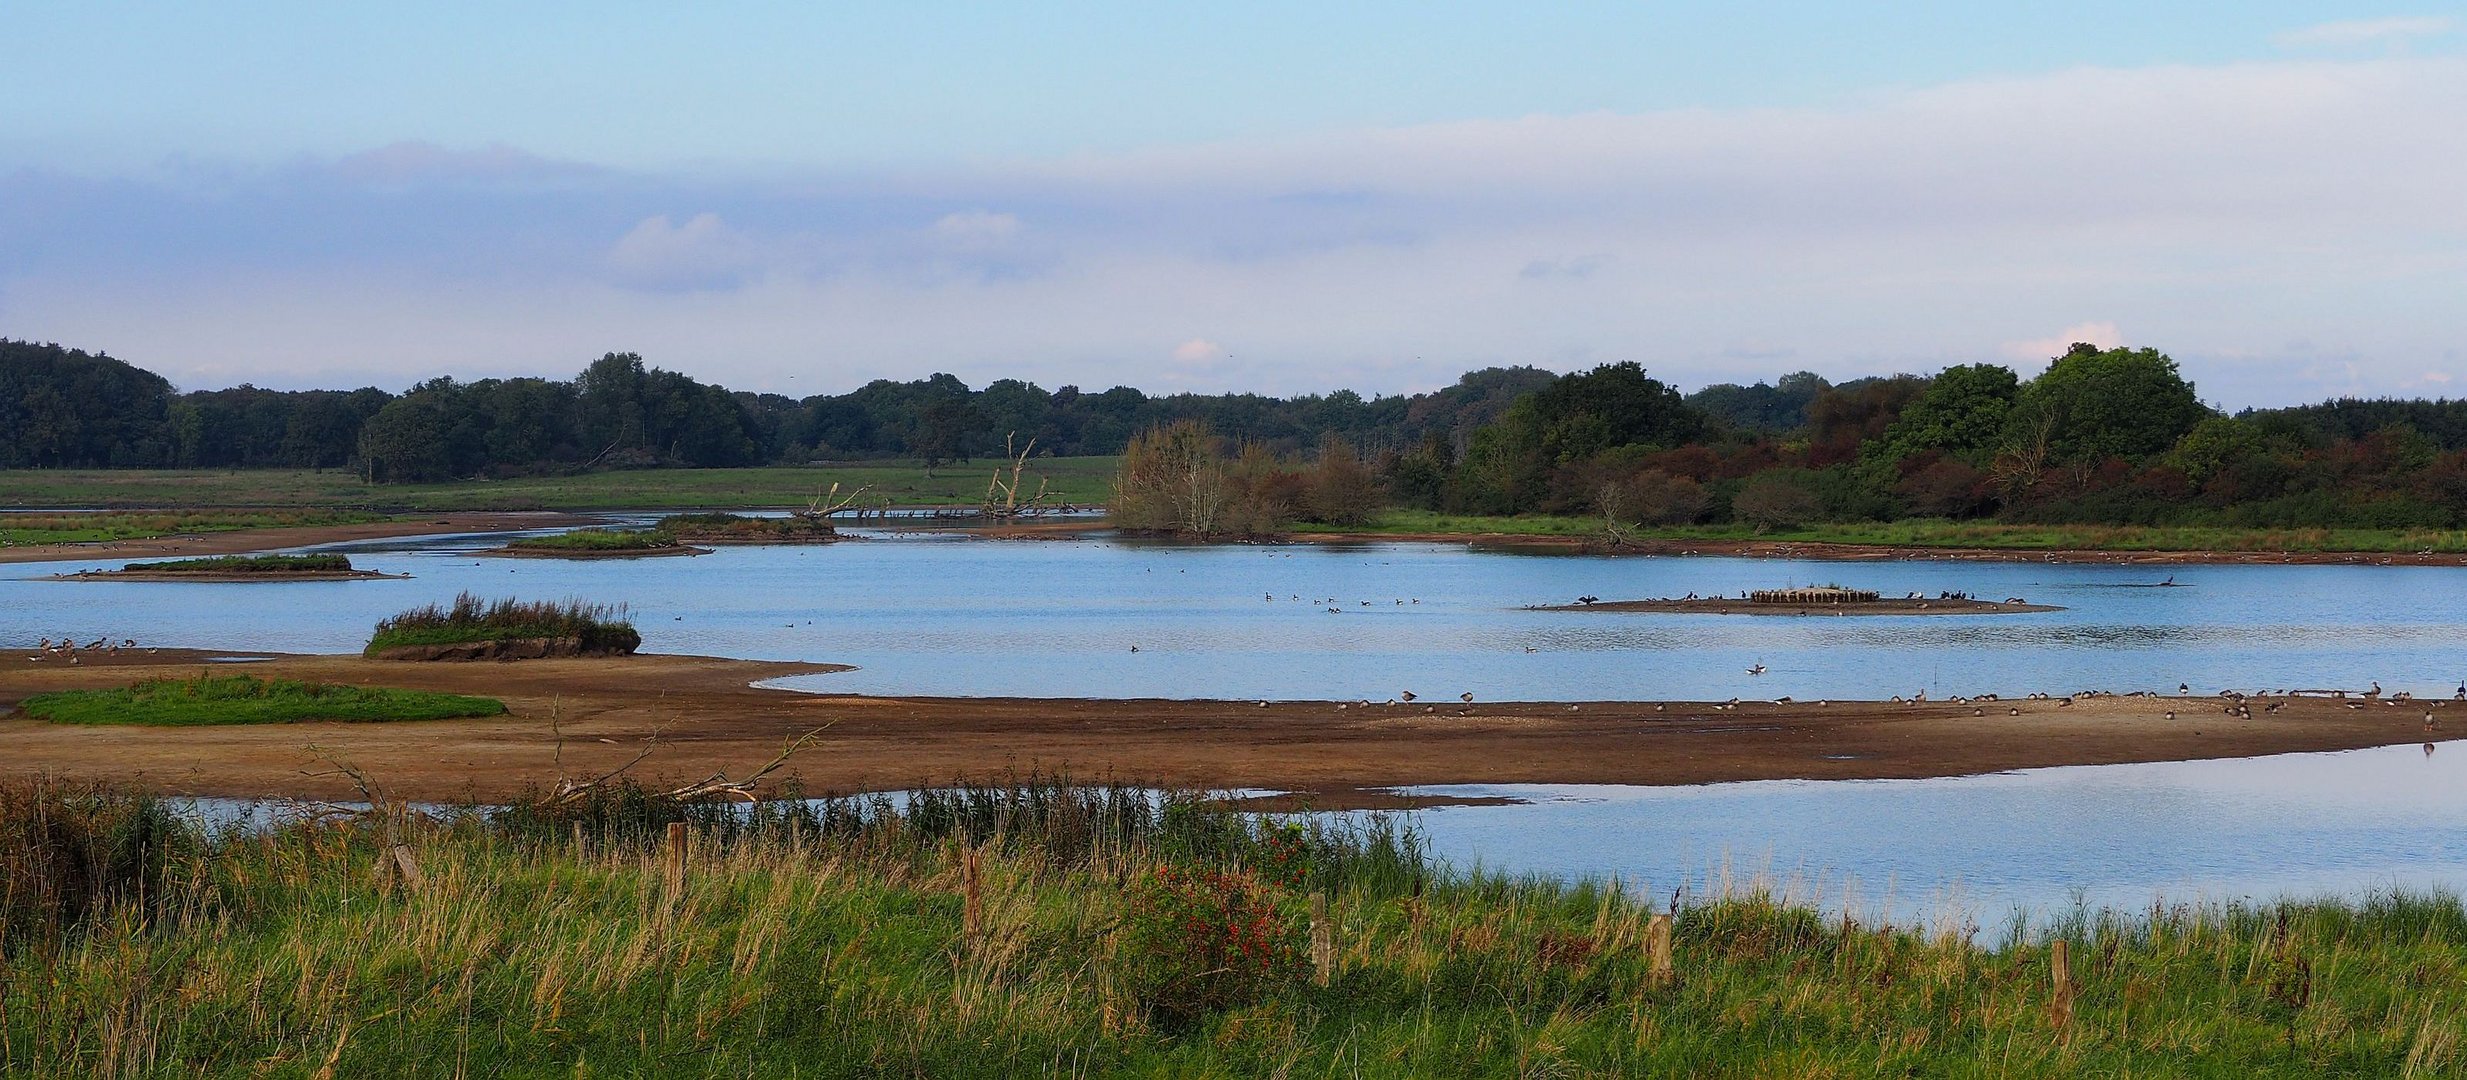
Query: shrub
(1200,940)
(246,564)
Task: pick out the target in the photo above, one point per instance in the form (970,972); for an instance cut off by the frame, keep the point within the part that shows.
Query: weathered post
(972,903)
(1323,941)
(2060,972)
(676,857)
(1663,969)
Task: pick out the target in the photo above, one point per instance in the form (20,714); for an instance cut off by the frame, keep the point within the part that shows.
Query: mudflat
(699,715)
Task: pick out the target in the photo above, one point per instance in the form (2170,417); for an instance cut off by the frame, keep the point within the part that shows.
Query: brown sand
(248,541)
(706,718)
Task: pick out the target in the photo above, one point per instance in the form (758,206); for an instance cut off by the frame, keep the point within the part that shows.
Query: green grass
(18,530)
(841,948)
(600,627)
(1074,480)
(206,700)
(724,528)
(1935,533)
(247,564)
(590,540)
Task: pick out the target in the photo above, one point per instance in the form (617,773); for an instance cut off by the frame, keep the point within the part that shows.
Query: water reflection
(1982,847)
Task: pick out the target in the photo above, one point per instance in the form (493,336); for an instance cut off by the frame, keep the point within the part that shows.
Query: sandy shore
(251,541)
(1733,606)
(705,717)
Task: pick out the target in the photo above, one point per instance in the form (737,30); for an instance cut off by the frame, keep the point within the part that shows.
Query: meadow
(208,700)
(1040,929)
(1073,480)
(18,530)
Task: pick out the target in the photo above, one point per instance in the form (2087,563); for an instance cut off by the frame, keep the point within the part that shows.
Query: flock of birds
(68,647)
(1335,604)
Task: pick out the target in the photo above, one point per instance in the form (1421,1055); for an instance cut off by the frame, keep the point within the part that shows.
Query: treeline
(2108,436)
(2103,436)
(64,408)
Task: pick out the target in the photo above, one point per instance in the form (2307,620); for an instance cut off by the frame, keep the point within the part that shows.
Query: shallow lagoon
(926,614)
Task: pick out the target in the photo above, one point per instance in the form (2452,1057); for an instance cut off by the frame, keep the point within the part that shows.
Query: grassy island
(591,628)
(1030,931)
(206,700)
(725,528)
(597,542)
(247,564)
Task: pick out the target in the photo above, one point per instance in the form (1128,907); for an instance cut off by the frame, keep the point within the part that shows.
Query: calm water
(936,615)
(1982,847)
(927,614)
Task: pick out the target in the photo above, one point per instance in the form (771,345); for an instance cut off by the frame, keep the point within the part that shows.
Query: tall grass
(469,618)
(959,941)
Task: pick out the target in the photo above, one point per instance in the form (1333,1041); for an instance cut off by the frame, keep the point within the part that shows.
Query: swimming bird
(1757,670)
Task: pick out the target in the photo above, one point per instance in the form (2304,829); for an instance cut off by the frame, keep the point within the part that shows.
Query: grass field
(1940,533)
(1075,480)
(1010,934)
(206,700)
(24,529)
(599,627)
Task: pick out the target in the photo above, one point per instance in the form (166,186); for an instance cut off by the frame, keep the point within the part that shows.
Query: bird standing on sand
(1466,697)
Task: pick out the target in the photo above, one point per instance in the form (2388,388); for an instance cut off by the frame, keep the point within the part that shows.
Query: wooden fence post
(1663,969)
(676,857)
(2060,972)
(972,902)
(413,879)
(1323,941)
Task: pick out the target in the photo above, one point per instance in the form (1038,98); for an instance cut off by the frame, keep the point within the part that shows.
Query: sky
(1272,197)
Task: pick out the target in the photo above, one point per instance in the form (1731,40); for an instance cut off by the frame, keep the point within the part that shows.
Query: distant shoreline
(1717,605)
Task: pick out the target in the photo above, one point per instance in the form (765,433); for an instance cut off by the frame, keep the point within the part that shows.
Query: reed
(790,950)
(469,619)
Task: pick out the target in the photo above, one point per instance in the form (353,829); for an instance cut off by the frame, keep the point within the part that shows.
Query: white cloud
(1198,351)
(977,227)
(2041,350)
(2219,211)
(703,253)
(2351,33)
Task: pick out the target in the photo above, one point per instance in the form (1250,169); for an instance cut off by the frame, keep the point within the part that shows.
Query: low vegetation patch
(205,700)
(596,628)
(724,528)
(247,564)
(19,530)
(1936,533)
(596,540)
(1006,932)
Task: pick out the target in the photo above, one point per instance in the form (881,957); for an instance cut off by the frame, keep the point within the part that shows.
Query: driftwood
(1002,500)
(718,785)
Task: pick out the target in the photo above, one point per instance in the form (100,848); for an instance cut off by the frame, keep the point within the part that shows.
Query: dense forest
(2109,436)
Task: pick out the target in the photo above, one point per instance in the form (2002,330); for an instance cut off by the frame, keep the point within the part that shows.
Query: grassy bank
(1076,480)
(1040,931)
(1933,533)
(600,627)
(18,530)
(207,700)
(247,564)
(724,528)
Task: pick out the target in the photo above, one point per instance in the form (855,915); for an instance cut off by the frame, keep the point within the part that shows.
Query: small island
(725,528)
(1817,600)
(474,629)
(597,544)
(238,568)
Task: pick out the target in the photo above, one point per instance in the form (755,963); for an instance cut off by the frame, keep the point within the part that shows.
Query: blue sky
(1281,197)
